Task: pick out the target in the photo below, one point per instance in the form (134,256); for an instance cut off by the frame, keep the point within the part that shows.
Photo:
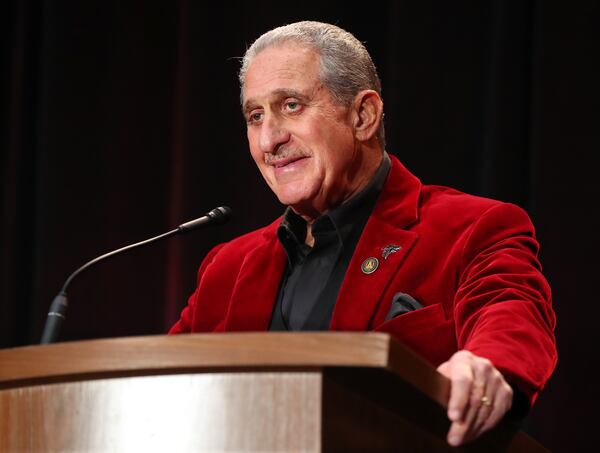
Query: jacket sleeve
(184,325)
(503,306)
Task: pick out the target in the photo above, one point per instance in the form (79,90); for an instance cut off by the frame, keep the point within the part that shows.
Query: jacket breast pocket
(426,331)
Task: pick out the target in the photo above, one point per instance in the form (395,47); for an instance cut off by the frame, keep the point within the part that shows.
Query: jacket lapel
(257,285)
(361,292)
(396,209)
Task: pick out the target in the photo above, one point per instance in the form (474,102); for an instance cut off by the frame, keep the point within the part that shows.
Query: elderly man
(363,245)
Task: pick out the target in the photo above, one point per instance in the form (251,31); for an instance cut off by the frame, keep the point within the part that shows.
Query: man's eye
(292,106)
(254,117)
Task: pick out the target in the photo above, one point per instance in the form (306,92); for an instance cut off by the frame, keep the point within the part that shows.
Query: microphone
(58,308)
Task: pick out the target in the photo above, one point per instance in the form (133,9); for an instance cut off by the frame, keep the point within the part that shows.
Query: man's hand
(479,396)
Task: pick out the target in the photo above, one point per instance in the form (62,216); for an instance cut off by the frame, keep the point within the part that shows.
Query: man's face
(302,141)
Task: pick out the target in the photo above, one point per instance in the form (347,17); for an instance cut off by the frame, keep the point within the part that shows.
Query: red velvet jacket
(472,262)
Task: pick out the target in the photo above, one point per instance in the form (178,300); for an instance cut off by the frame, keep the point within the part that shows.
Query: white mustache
(284,154)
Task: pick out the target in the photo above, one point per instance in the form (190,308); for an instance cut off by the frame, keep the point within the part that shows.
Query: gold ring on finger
(485,401)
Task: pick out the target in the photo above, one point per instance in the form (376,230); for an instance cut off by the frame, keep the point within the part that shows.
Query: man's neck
(309,239)
(310,219)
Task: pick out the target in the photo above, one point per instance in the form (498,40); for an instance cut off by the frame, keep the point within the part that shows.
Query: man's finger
(502,404)
(459,430)
(462,431)
(486,408)
(491,379)
(460,374)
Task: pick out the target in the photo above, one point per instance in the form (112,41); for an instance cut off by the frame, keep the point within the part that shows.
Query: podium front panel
(189,412)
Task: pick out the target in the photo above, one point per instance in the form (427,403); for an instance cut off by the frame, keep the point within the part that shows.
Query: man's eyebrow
(276,94)
(290,93)
(248,106)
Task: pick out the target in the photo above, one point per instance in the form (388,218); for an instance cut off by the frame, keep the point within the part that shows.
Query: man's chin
(292,200)
(295,193)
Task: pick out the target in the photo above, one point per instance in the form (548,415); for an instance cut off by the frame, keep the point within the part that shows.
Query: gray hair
(346,67)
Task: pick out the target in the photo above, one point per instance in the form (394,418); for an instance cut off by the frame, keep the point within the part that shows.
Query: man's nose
(272,134)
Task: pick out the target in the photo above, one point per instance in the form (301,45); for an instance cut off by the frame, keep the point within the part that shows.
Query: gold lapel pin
(369,265)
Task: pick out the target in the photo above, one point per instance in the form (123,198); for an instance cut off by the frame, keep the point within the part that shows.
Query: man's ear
(368,114)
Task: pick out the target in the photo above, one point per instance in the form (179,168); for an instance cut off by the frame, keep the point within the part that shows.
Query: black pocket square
(402,303)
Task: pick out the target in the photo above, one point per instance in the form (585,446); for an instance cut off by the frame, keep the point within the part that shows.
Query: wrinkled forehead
(285,66)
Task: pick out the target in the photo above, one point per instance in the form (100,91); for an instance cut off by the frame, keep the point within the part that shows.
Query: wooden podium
(229,392)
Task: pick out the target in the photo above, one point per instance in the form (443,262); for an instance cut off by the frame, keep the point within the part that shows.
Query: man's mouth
(286,161)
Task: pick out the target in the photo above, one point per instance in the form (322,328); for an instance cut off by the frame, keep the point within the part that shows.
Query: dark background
(120,120)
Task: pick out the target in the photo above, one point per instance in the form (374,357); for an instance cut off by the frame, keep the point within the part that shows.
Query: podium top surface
(188,353)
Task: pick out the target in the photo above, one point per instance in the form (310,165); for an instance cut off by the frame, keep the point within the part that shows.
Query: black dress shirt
(314,275)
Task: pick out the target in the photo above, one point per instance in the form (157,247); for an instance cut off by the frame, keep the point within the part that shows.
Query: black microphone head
(220,215)
(217,216)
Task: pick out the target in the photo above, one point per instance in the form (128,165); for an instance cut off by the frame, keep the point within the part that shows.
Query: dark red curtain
(120,119)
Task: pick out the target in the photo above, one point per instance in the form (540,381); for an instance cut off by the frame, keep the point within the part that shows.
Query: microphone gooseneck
(58,308)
